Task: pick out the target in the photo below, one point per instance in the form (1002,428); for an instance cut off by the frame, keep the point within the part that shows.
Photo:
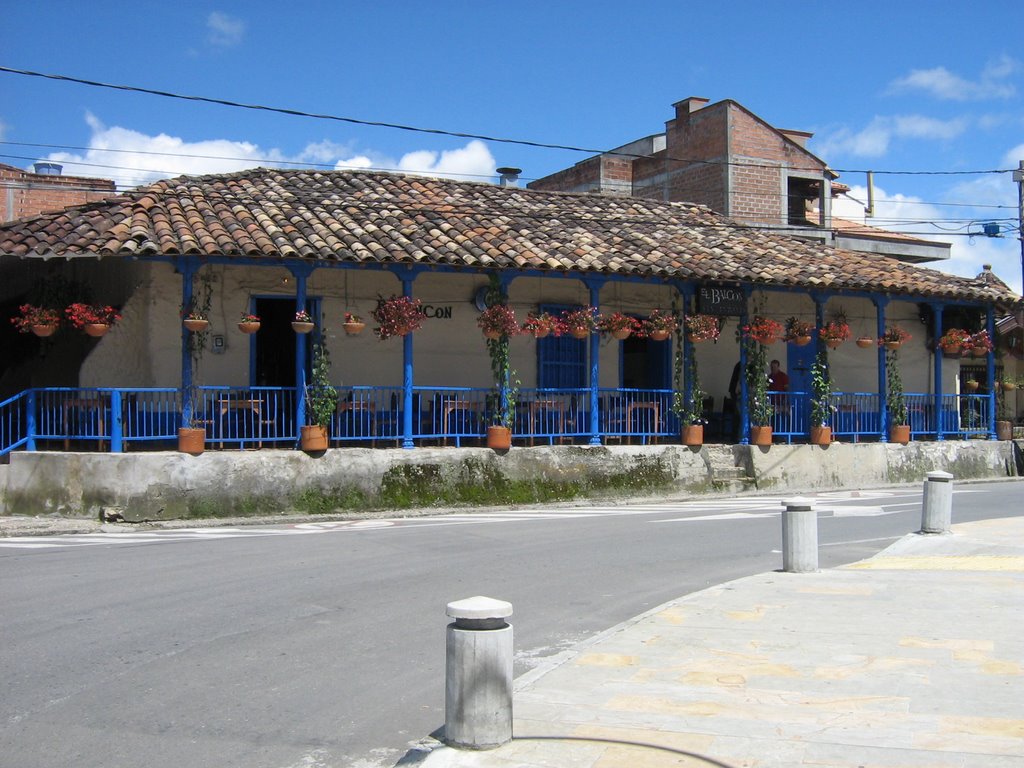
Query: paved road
(323,645)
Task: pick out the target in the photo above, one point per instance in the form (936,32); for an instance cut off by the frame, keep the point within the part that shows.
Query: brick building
(726,157)
(26,193)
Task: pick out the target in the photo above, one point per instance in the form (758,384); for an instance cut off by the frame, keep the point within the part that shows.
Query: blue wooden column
(188,266)
(686,291)
(936,334)
(301,272)
(990,372)
(883,386)
(408,371)
(744,397)
(595,365)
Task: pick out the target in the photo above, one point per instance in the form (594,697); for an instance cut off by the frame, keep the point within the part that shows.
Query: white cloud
(943,84)
(874,140)
(906,213)
(224,31)
(132,158)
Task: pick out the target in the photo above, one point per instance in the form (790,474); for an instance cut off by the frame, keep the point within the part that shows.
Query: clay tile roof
(366,217)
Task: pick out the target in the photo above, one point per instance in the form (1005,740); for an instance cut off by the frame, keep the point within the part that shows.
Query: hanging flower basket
(893,338)
(659,325)
(865,341)
(617,325)
(38,320)
(763,330)
(980,344)
(303,322)
(835,332)
(196,323)
(353,324)
(579,323)
(798,332)
(498,320)
(542,325)
(971,385)
(702,328)
(94,319)
(248,323)
(953,341)
(397,316)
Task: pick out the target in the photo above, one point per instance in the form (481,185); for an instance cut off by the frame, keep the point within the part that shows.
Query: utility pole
(1018,176)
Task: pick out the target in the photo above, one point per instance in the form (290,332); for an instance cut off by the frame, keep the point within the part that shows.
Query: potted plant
(659,325)
(971,385)
(690,409)
(541,325)
(497,321)
(618,325)
(397,316)
(580,322)
(353,324)
(798,332)
(896,402)
(979,343)
(321,401)
(835,332)
(248,322)
(702,327)
(94,319)
(759,406)
(195,318)
(38,320)
(953,341)
(1004,427)
(762,330)
(893,338)
(864,341)
(303,322)
(192,432)
(822,400)
(503,399)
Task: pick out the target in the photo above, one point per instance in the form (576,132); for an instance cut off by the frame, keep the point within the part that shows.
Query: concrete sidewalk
(912,659)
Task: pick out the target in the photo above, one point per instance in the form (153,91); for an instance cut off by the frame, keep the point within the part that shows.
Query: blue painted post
(744,402)
(188,267)
(300,350)
(407,375)
(990,372)
(595,371)
(883,406)
(116,425)
(30,420)
(937,332)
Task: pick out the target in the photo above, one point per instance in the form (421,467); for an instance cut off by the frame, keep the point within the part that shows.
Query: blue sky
(897,86)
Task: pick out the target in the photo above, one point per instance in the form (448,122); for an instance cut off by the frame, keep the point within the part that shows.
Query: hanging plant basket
(658,335)
(865,341)
(834,343)
(951,351)
(301,327)
(493,335)
(979,351)
(621,334)
(95,329)
(195,324)
(893,344)
(248,327)
(579,333)
(44,330)
(801,341)
(540,333)
(353,329)
(971,385)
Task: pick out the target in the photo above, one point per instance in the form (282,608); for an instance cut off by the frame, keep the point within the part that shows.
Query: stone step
(727,473)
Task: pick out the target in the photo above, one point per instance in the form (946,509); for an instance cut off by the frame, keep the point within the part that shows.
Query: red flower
(81,315)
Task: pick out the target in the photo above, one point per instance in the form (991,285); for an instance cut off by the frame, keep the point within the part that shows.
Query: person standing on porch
(778,380)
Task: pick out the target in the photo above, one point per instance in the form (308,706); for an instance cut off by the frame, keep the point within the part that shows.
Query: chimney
(47,169)
(797,137)
(509,177)
(688,106)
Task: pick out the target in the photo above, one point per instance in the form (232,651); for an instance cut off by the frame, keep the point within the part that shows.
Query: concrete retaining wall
(170,485)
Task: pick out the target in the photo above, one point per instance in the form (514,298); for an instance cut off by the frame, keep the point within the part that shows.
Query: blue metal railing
(107,418)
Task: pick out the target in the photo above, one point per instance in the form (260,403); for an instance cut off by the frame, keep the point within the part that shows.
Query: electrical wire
(442,132)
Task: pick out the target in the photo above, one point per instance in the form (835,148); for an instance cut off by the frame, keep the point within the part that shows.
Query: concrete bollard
(478,674)
(937,504)
(799,536)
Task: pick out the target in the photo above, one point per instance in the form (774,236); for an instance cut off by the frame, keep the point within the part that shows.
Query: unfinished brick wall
(25,194)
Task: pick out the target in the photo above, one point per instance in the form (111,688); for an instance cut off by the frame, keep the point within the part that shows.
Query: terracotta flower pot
(899,433)
(192,440)
(693,434)
(1008,386)
(579,333)
(821,435)
(865,341)
(760,435)
(96,329)
(313,438)
(300,327)
(621,334)
(971,386)
(492,335)
(802,341)
(951,350)
(195,325)
(978,352)
(1004,430)
(658,335)
(44,330)
(499,438)
(893,344)
(833,343)
(248,327)
(540,333)
(353,329)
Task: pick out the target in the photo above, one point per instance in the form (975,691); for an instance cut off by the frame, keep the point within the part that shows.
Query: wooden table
(540,407)
(448,407)
(255,407)
(644,405)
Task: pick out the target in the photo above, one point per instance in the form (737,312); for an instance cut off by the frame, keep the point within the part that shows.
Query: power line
(442,132)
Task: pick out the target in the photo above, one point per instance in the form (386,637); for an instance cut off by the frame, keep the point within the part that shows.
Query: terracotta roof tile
(377,217)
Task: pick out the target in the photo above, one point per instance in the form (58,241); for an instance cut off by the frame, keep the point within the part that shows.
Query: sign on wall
(721,300)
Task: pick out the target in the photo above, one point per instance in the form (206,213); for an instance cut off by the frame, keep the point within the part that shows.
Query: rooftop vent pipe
(508,177)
